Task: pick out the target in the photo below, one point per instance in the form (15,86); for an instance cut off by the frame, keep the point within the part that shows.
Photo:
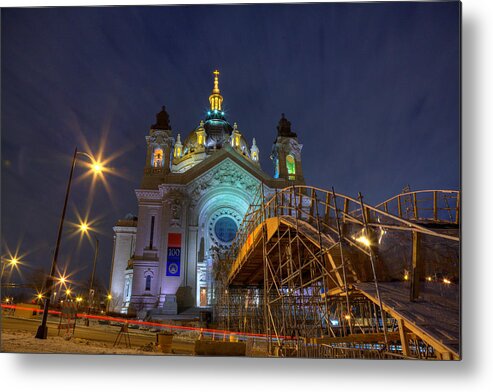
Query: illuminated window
(276,169)
(177,152)
(255,156)
(291,166)
(201,136)
(158,157)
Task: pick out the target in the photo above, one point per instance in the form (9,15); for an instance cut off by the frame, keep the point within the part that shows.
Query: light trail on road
(208,331)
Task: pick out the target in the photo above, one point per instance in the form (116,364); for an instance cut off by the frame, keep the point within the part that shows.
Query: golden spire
(216,98)
(215,90)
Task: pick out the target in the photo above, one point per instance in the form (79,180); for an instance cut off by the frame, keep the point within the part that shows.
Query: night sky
(372,91)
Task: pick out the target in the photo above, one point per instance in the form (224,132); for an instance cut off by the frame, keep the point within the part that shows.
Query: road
(95,332)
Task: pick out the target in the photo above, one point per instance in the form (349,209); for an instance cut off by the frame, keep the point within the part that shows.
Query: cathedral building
(191,201)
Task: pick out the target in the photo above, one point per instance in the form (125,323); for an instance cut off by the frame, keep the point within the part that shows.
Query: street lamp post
(42,331)
(91,291)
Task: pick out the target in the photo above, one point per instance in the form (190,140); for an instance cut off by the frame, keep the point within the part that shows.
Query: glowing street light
(13,262)
(62,280)
(364,240)
(97,168)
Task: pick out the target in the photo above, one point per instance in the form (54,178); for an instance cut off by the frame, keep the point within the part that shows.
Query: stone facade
(191,201)
(123,250)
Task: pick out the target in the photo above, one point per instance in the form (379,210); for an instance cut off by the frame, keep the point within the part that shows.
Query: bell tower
(159,145)
(286,153)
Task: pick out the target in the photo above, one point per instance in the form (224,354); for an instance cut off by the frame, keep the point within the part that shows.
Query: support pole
(90,298)
(42,331)
(416,266)
(322,262)
(435,206)
(264,251)
(372,261)
(457,209)
(339,233)
(403,337)
(415,206)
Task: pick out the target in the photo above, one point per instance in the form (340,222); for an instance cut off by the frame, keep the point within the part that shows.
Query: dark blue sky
(372,90)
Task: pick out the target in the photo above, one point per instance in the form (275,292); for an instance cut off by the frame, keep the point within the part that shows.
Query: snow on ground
(24,342)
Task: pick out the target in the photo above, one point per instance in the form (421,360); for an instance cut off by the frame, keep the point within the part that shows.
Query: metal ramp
(434,318)
(334,277)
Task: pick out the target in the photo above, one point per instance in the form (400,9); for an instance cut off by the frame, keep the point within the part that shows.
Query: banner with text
(174,254)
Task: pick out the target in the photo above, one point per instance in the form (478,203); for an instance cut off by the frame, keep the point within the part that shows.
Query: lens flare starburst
(12,261)
(84,228)
(62,280)
(99,164)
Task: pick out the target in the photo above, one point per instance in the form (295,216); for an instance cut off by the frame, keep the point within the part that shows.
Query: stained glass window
(225,229)
(291,166)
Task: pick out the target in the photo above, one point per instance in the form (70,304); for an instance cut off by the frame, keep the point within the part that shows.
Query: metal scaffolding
(325,275)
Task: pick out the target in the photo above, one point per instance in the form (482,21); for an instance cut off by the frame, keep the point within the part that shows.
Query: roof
(126,222)
(152,182)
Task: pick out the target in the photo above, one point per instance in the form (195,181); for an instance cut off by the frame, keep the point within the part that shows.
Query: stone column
(192,262)
(122,252)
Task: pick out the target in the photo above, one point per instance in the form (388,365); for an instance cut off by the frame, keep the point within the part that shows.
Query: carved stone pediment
(226,173)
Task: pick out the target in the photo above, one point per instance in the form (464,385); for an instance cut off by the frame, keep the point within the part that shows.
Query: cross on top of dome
(216,98)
